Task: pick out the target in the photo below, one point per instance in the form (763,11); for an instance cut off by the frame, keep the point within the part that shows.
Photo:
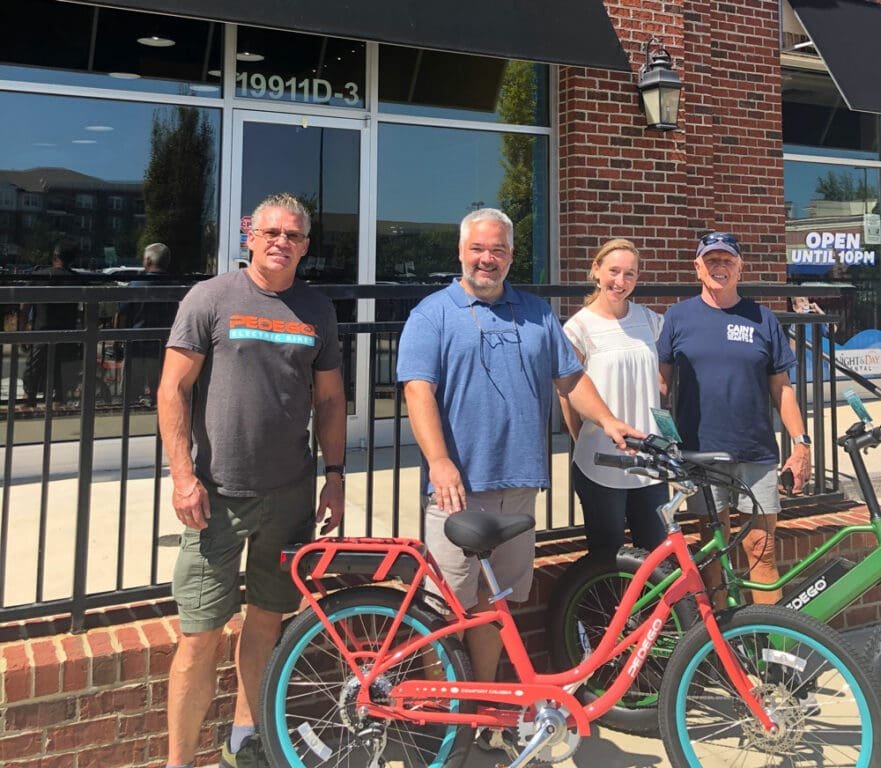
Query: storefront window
(432,177)
(66,163)
(67,44)
(833,234)
(817,121)
(302,69)
(450,85)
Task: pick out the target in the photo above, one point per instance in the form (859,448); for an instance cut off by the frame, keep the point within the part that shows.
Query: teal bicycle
(591,588)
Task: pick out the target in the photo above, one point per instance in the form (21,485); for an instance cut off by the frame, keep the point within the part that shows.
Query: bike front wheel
(307,700)
(814,686)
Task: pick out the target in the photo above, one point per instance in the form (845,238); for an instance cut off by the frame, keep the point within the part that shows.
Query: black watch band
(340,469)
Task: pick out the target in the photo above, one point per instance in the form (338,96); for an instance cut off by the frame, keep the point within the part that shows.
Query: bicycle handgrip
(618,460)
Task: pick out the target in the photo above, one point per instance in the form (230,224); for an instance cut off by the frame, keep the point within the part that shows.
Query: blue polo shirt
(723,358)
(494,366)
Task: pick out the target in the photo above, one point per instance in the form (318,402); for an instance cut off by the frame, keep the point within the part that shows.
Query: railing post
(819,436)
(86,456)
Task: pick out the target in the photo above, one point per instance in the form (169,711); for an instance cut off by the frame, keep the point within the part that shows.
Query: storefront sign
(832,248)
(315,90)
(866,362)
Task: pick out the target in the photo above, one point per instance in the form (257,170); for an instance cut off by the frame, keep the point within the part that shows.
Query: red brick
(75,670)
(117,755)
(53,761)
(105,659)
(18,673)
(21,745)
(47,667)
(133,654)
(25,716)
(131,698)
(142,724)
(74,735)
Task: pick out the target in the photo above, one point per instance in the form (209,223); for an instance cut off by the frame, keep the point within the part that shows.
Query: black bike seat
(477,532)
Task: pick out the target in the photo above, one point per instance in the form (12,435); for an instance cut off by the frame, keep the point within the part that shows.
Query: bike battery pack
(817,581)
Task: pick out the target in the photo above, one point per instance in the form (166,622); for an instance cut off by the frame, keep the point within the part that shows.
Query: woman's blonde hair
(616,244)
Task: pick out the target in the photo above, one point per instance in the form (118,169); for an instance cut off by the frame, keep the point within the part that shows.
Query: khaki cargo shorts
(206,575)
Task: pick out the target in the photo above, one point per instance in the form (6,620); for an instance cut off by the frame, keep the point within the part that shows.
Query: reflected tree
(517,101)
(178,185)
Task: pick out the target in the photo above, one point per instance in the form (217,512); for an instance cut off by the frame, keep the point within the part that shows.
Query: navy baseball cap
(718,241)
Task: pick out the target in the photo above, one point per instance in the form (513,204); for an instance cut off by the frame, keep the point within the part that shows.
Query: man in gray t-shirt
(251,354)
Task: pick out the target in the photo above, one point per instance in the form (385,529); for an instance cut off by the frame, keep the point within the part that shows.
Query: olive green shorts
(206,575)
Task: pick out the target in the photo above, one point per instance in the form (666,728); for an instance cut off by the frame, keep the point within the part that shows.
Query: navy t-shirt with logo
(723,358)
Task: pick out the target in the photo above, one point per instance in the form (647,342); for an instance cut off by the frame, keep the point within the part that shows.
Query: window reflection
(438,84)
(430,178)
(833,233)
(816,119)
(72,44)
(149,174)
(304,69)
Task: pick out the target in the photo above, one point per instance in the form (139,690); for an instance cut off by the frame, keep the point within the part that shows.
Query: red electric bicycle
(377,676)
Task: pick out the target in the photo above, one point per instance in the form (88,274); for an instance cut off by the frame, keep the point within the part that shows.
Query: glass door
(322,162)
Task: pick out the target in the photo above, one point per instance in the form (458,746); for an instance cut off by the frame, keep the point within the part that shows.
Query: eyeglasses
(291,235)
(720,237)
(493,339)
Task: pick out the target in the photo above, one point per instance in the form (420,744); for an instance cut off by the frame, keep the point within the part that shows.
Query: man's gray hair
(158,254)
(290,203)
(486,214)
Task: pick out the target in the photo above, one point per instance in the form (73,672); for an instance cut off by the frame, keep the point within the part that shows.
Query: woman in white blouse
(615,340)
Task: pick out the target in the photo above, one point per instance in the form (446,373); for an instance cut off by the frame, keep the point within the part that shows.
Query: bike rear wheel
(583,603)
(308,715)
(813,684)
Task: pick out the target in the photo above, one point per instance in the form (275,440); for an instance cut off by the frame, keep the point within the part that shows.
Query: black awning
(554,31)
(846,34)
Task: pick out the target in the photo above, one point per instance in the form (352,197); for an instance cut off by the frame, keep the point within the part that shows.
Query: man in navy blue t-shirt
(732,356)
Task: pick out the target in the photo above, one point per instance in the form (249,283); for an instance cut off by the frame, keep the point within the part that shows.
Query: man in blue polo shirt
(479,361)
(733,358)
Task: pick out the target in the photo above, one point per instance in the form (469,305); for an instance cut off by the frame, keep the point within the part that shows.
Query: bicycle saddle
(478,532)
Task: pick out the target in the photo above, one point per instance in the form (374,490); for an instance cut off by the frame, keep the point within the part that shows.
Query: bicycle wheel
(813,685)
(581,608)
(307,699)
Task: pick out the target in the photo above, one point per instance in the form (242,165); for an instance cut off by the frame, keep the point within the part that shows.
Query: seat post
(496,593)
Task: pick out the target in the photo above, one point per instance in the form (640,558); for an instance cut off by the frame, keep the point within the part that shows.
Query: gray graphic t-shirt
(253,397)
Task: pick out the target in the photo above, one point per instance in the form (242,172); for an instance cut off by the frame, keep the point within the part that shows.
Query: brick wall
(98,699)
(722,170)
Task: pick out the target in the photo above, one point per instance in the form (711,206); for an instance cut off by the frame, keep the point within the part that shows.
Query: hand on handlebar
(618,430)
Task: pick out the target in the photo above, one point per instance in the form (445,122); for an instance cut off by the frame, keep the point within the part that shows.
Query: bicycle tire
(584,600)
(307,715)
(873,652)
(816,687)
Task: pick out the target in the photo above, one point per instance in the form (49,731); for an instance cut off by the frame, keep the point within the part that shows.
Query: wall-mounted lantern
(659,87)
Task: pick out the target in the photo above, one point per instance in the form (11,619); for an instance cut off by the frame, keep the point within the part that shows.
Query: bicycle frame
(837,596)
(530,687)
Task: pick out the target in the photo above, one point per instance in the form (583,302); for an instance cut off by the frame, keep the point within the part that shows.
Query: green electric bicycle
(590,589)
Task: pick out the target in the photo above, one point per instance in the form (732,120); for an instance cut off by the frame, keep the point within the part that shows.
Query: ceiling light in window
(154,41)
(124,75)
(99,128)
(84,141)
(249,56)
(44,144)
(204,88)
(214,73)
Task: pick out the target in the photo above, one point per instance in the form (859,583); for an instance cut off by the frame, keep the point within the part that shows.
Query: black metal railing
(85,521)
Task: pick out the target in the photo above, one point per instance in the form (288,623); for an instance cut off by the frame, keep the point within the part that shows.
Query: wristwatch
(802,440)
(340,469)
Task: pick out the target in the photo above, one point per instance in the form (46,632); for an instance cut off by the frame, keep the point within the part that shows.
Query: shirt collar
(461,298)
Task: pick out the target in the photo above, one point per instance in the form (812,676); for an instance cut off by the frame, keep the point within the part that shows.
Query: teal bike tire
(307,712)
(818,689)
